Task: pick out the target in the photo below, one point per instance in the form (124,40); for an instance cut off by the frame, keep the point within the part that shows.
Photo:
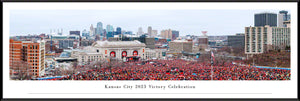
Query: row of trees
(234,51)
(271,58)
(75,67)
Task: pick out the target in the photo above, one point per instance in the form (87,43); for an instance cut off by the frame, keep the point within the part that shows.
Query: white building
(140,31)
(102,50)
(259,39)
(42,52)
(282,17)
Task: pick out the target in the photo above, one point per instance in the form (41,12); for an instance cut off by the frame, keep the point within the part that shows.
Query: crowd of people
(179,70)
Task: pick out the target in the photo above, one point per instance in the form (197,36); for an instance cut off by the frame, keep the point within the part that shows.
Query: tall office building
(30,53)
(237,40)
(150,31)
(118,30)
(99,29)
(175,34)
(109,35)
(109,28)
(262,19)
(283,16)
(140,31)
(104,34)
(260,39)
(166,34)
(92,30)
(85,33)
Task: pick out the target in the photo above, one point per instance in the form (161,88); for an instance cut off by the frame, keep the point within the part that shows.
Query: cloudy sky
(216,22)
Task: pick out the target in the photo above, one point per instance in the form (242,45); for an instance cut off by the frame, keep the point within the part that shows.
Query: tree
(98,64)
(21,70)
(57,72)
(238,51)
(74,67)
(225,49)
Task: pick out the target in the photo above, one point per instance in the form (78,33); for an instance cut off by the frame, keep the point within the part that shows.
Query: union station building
(103,50)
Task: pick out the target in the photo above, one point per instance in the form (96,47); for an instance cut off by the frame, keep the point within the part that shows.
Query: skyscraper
(92,30)
(262,19)
(85,33)
(150,31)
(175,34)
(99,29)
(104,33)
(140,31)
(109,28)
(109,34)
(283,16)
(166,34)
(260,39)
(118,30)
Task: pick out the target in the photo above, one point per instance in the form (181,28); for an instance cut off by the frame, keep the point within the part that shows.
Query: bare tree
(225,49)
(238,51)
(98,64)
(21,70)
(110,64)
(58,71)
(74,67)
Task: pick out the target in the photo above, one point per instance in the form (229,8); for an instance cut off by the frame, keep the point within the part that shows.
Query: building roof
(180,41)
(134,43)
(266,13)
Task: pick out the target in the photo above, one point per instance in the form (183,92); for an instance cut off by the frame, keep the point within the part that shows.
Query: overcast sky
(216,22)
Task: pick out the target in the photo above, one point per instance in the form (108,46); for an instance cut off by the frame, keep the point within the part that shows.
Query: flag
(212,57)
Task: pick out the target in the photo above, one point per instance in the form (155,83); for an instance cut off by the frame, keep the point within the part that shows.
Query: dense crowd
(179,70)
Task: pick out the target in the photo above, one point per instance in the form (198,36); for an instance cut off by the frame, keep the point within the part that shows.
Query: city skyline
(187,22)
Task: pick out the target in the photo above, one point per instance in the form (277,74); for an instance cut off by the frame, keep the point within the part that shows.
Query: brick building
(31,53)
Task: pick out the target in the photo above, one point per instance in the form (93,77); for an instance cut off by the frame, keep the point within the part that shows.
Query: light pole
(212,62)
(212,73)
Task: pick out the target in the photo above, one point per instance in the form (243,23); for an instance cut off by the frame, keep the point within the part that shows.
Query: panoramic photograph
(78,45)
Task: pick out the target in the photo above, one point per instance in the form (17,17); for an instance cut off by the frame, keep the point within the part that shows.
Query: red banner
(113,54)
(135,53)
(124,54)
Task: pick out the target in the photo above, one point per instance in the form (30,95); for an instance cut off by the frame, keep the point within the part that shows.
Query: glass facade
(265,19)
(99,29)
(119,31)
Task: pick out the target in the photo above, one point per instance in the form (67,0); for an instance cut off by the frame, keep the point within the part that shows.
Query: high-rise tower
(262,19)
(283,16)
(150,31)
(99,29)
